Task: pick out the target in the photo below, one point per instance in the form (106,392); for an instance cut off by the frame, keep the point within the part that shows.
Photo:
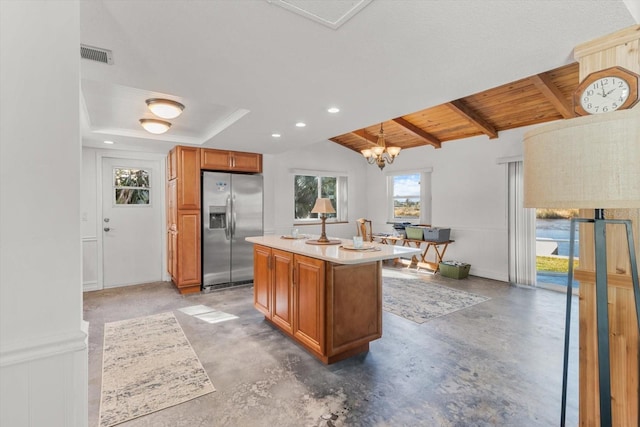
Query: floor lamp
(590,162)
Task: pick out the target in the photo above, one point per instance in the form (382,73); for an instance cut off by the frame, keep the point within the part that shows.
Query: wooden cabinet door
(215,159)
(188,248)
(262,279)
(308,303)
(172,166)
(188,177)
(246,162)
(172,204)
(282,276)
(172,264)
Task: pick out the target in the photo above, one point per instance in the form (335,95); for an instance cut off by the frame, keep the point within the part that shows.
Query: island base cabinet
(308,306)
(332,310)
(354,306)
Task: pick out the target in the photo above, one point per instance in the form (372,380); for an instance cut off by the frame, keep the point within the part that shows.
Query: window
(409,197)
(131,186)
(309,185)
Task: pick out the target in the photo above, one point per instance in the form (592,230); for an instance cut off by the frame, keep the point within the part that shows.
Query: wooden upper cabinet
(188,175)
(246,162)
(235,161)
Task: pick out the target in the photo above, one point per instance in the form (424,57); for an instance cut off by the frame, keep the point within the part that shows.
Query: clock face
(604,95)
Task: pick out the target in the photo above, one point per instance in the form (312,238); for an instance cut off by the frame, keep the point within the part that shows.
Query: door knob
(107,229)
(106,220)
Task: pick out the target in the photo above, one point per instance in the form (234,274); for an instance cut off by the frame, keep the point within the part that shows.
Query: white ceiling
(247,68)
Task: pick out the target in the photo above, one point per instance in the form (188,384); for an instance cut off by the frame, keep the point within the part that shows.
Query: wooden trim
(473,118)
(553,94)
(623,36)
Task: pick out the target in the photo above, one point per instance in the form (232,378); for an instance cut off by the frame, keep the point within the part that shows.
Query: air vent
(96,54)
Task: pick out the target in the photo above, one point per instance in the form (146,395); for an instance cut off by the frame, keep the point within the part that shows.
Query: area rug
(147,365)
(418,300)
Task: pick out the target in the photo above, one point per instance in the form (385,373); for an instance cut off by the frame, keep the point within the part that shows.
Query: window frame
(115,188)
(425,196)
(341,204)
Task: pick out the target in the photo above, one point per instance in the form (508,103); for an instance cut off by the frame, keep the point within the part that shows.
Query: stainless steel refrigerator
(231,210)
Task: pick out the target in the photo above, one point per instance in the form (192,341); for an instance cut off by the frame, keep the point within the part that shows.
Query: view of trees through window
(131,186)
(308,188)
(406,196)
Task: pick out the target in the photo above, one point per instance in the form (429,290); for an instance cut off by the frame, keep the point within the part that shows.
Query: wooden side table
(439,248)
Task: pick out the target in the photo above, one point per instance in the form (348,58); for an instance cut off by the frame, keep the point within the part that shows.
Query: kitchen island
(327,298)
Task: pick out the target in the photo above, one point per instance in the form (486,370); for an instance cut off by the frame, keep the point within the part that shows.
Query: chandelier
(381,154)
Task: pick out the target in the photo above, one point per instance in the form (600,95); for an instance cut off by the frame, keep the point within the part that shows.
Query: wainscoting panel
(28,376)
(89,263)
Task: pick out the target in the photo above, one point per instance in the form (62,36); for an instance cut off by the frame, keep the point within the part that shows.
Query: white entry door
(131,222)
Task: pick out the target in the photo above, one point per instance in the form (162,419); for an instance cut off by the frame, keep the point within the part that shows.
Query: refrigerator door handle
(227,225)
(233,219)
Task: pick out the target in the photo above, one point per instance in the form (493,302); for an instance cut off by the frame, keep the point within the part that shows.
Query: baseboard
(90,286)
(489,274)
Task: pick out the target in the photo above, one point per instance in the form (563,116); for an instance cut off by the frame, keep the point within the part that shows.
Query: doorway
(131,221)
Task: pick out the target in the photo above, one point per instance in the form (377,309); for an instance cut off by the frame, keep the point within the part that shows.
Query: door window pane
(131,186)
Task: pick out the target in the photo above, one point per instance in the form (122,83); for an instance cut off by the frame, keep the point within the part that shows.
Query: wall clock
(606,90)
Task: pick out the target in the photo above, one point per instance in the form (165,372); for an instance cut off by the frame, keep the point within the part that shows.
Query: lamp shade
(590,162)
(323,206)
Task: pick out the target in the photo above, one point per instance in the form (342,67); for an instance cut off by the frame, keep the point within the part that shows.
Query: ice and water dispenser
(217,217)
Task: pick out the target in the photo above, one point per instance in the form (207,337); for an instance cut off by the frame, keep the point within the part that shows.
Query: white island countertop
(335,253)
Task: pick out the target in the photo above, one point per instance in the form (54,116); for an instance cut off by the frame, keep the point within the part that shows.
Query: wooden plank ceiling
(540,98)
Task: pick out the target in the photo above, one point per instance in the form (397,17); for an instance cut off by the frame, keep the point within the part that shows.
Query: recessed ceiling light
(276,135)
(333,110)
(108,142)
(165,108)
(155,126)
(300,124)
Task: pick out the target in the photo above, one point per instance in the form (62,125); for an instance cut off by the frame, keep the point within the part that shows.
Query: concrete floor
(498,363)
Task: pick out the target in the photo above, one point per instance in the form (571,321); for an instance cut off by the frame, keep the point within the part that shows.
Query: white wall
(43,353)
(469,195)
(323,156)
(91,219)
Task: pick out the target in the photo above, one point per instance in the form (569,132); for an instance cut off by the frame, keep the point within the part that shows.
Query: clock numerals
(607,90)
(604,95)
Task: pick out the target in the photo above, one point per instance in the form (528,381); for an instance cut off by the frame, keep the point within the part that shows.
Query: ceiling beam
(361,133)
(473,118)
(550,91)
(418,132)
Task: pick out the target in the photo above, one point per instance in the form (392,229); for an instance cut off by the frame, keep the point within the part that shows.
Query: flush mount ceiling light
(155,126)
(165,108)
(333,110)
(300,124)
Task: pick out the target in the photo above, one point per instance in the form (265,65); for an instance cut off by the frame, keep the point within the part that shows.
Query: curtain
(522,231)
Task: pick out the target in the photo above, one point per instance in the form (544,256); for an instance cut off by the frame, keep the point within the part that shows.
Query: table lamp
(323,207)
(590,162)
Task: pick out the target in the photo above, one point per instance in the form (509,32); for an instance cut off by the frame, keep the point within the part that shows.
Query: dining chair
(364,229)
